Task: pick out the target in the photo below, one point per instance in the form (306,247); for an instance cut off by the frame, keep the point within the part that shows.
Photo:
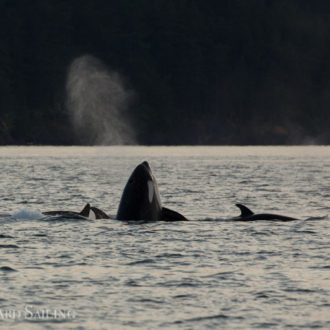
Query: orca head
(140,199)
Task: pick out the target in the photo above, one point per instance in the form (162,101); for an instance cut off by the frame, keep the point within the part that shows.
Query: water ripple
(207,273)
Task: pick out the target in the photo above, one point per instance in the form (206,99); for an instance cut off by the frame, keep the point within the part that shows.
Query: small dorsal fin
(99,214)
(170,215)
(85,211)
(245,212)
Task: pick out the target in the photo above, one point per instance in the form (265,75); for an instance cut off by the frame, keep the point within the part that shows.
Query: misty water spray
(98,102)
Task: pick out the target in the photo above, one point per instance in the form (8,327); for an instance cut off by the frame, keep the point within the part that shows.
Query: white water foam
(27,214)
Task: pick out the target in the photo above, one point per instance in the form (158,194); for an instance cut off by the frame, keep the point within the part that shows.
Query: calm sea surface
(208,273)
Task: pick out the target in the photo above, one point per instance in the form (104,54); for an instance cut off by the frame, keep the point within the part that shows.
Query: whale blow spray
(98,103)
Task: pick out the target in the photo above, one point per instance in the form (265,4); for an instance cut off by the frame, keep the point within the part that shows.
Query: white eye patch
(151,191)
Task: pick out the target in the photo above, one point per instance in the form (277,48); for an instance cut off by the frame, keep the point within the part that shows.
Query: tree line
(203,72)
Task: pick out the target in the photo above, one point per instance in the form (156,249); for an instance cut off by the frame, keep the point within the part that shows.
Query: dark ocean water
(210,272)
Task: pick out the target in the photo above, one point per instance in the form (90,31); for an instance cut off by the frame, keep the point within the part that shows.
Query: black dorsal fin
(85,211)
(99,214)
(245,212)
(170,215)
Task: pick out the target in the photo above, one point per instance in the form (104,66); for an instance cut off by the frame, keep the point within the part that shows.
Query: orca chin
(141,200)
(89,212)
(248,215)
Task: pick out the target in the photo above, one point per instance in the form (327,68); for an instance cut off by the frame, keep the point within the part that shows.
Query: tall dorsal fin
(245,212)
(85,211)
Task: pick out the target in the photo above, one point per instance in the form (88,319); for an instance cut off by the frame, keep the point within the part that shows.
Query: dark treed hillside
(203,72)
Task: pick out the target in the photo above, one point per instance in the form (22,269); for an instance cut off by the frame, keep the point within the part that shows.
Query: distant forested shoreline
(201,72)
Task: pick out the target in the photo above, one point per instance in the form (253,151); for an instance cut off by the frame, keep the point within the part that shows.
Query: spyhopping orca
(88,211)
(248,215)
(141,200)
